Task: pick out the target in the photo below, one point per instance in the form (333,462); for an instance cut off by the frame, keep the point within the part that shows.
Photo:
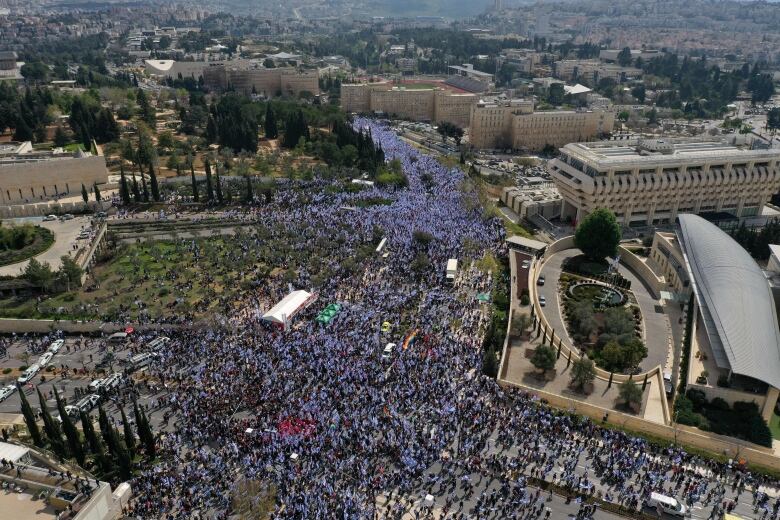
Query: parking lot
(79,362)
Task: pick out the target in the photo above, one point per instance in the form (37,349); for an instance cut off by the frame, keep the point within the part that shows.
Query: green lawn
(774,426)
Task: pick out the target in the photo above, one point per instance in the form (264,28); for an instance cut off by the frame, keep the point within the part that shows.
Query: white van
(666,504)
(141,360)
(157,342)
(28,374)
(388,351)
(118,338)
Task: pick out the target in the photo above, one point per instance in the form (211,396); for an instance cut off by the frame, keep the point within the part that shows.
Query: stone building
(416,104)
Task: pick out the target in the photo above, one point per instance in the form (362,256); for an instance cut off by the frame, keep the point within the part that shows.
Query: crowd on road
(331,429)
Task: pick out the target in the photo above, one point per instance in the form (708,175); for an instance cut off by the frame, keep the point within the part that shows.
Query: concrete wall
(99,507)
(51,207)
(37,181)
(642,270)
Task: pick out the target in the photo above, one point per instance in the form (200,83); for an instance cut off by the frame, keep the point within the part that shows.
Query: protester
(316,412)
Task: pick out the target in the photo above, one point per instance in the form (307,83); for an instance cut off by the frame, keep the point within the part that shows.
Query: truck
(452,269)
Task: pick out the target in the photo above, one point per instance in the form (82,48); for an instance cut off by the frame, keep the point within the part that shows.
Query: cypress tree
(211,130)
(128,432)
(84,194)
(218,185)
(29,419)
(153,181)
(96,190)
(249,194)
(123,457)
(143,185)
(103,458)
(124,192)
(195,196)
(71,433)
(106,430)
(89,433)
(209,187)
(52,429)
(271,131)
(148,437)
(136,192)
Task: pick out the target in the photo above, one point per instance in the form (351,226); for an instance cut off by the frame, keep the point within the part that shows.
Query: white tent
(282,312)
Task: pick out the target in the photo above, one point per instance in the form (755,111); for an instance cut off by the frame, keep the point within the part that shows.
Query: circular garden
(601,317)
(18,243)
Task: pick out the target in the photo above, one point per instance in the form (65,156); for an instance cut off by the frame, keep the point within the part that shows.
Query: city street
(84,355)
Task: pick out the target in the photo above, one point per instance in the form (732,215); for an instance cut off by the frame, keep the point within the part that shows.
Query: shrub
(22,368)
(7,370)
(524,299)
(543,358)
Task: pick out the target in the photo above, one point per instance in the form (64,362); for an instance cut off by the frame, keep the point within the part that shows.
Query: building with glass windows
(649,182)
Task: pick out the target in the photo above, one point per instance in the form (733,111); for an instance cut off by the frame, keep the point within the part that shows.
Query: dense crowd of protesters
(339,432)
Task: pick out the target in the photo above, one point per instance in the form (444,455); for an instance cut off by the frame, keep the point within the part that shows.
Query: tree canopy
(598,235)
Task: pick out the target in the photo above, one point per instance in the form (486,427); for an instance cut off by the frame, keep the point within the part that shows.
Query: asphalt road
(84,357)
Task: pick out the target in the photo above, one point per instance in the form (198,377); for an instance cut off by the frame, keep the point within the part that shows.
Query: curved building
(735,350)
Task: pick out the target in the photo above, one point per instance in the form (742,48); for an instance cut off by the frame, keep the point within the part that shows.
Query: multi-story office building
(650,181)
(416,104)
(514,124)
(287,81)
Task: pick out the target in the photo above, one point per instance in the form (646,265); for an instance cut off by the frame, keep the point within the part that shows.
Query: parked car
(668,388)
(49,218)
(67,216)
(542,301)
(540,280)
(526,264)
(56,346)
(6,392)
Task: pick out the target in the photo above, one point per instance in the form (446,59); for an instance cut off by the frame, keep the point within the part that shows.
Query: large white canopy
(285,309)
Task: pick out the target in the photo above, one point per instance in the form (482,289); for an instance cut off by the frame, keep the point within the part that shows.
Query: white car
(49,218)
(6,392)
(95,385)
(45,358)
(28,374)
(56,346)
(542,301)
